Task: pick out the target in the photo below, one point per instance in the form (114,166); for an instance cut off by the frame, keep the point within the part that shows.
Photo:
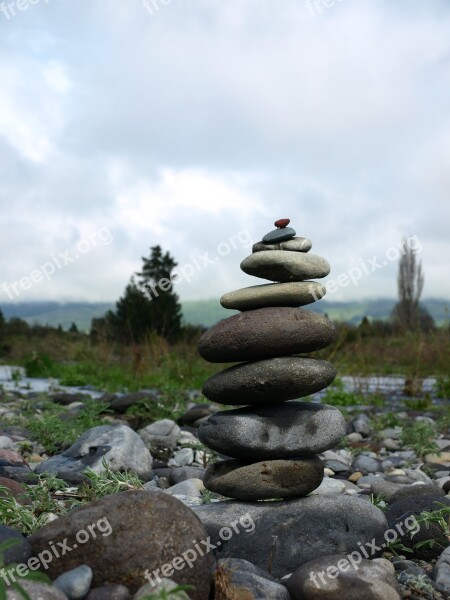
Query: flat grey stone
(366,464)
(268,381)
(75,584)
(281,536)
(266,333)
(285,266)
(286,430)
(118,445)
(266,479)
(296,293)
(296,244)
(163,433)
(279,235)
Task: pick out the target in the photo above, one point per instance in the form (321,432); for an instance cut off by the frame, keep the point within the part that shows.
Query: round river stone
(296,293)
(264,333)
(284,266)
(295,244)
(268,381)
(263,480)
(288,430)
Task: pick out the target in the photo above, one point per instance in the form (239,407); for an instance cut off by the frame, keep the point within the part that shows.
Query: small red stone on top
(282,223)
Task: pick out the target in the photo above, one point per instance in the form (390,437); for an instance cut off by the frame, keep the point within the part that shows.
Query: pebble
(190,487)
(296,244)
(354,437)
(268,381)
(109,592)
(36,591)
(264,480)
(366,464)
(285,430)
(279,235)
(75,584)
(20,552)
(297,293)
(264,333)
(441,572)
(182,458)
(438,459)
(285,266)
(330,487)
(282,223)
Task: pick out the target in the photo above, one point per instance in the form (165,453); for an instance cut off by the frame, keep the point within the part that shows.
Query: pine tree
(150,304)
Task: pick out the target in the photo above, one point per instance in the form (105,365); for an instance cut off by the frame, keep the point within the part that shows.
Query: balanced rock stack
(272,444)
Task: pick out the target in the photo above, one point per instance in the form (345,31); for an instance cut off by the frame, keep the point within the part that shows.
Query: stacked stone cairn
(270,443)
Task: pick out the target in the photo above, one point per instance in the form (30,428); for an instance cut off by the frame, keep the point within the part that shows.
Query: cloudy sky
(194,124)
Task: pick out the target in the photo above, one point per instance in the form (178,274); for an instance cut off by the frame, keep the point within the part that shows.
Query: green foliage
(337,397)
(443,387)
(52,431)
(419,436)
(109,482)
(176,593)
(149,306)
(39,365)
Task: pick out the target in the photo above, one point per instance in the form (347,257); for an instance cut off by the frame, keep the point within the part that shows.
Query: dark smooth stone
(296,244)
(283,535)
(278,235)
(265,333)
(266,479)
(286,430)
(268,381)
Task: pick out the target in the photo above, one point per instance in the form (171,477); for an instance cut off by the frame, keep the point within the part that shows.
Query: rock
(409,567)
(359,424)
(141,531)
(441,572)
(279,235)
(284,266)
(6,443)
(264,333)
(269,532)
(366,481)
(417,475)
(109,592)
(354,437)
(385,489)
(270,380)
(196,412)
(75,584)
(182,458)
(296,244)
(419,535)
(438,459)
(19,474)
(191,488)
(179,474)
(160,434)
(122,403)
(286,430)
(237,578)
(341,577)
(36,591)
(13,458)
(118,445)
(65,398)
(297,293)
(263,480)
(20,552)
(416,489)
(366,464)
(330,487)
(17,491)
(282,223)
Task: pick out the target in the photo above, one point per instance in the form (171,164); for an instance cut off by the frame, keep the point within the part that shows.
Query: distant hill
(206,312)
